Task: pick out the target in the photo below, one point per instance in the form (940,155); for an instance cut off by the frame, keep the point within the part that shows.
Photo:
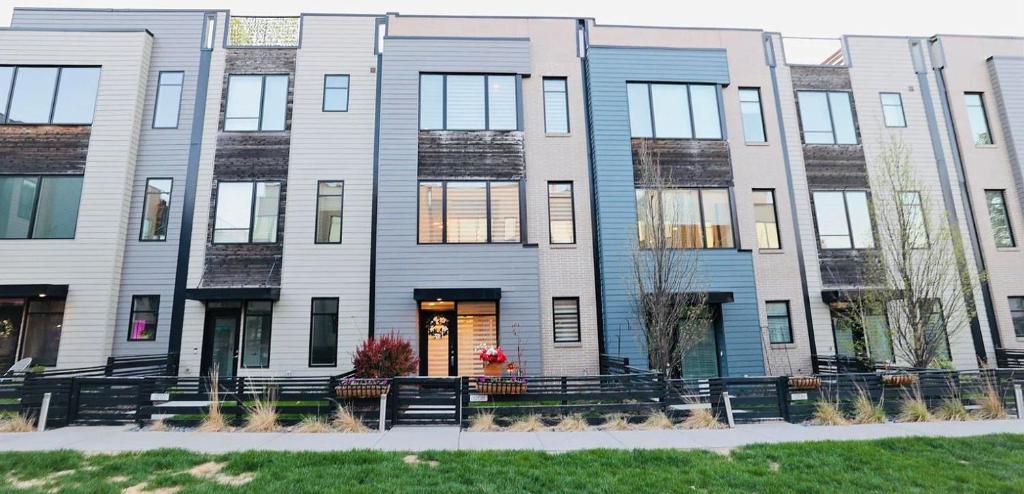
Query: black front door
(220,341)
(439,340)
(11,312)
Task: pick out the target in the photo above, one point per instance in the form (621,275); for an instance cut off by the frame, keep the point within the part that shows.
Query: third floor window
(468,102)
(256,103)
(674,111)
(48,95)
(826,117)
(978,118)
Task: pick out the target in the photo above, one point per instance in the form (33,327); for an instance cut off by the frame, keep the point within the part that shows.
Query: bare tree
(667,295)
(915,274)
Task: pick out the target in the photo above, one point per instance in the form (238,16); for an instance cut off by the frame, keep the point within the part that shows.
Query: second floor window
(328,212)
(336,92)
(556,105)
(155,209)
(766,219)
(39,206)
(978,118)
(468,102)
(999,218)
(844,220)
(753,120)
(256,103)
(691,218)
(892,110)
(914,226)
(48,95)
(468,212)
(826,117)
(246,212)
(561,215)
(674,111)
(779,328)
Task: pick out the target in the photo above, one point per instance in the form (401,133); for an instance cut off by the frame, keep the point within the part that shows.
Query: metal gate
(426,400)
(105,400)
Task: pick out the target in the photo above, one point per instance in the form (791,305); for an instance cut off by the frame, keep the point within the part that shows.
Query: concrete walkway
(126,438)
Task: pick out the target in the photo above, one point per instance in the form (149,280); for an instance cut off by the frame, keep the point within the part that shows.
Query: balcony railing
(270,32)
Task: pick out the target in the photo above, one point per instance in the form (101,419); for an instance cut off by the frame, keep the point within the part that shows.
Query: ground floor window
(145,309)
(43,323)
(256,339)
(323,333)
(862,336)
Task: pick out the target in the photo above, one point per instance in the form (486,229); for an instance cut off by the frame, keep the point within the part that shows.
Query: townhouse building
(260,195)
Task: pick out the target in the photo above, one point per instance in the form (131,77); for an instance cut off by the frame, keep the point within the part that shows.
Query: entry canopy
(456,294)
(28,291)
(248,293)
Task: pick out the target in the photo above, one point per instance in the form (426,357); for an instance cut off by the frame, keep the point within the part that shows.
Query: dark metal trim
(34,291)
(456,294)
(243,293)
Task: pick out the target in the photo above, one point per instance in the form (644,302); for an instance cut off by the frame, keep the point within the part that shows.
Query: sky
(791,17)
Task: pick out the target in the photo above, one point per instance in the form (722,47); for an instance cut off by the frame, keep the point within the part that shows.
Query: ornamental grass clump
(827,412)
(529,423)
(572,423)
(657,420)
(913,408)
(616,422)
(703,418)
(345,421)
(483,422)
(866,411)
(952,406)
(263,412)
(314,425)
(16,422)
(989,403)
(214,419)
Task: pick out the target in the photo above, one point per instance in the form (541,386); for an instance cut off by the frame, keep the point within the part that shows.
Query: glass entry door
(220,341)
(451,334)
(11,311)
(702,360)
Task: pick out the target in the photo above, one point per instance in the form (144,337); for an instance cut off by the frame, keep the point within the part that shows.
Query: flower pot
(492,369)
(501,388)
(370,388)
(804,382)
(894,380)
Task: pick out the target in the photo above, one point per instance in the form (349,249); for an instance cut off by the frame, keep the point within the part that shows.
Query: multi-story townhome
(483,213)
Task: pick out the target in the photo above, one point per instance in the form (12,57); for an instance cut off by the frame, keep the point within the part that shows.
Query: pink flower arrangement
(493,355)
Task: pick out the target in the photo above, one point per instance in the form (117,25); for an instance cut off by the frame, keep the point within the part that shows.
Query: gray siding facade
(1007,75)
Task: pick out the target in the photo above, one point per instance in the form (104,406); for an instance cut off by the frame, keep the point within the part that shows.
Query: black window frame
(703,222)
(444,211)
(487,100)
(831,118)
(984,116)
(35,205)
(5,110)
(1006,214)
(1017,331)
(572,209)
(252,212)
(167,214)
(269,316)
(156,316)
(760,112)
(775,212)
(554,321)
(348,92)
(903,112)
(846,212)
(316,220)
(25,325)
(565,102)
(263,96)
(789,321)
(156,102)
(337,329)
(689,103)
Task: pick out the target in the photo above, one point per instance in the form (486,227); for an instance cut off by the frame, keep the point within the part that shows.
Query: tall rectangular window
(561,213)
(999,218)
(256,103)
(39,206)
(246,212)
(935,327)
(913,221)
(691,218)
(892,110)
(779,328)
(1017,315)
(843,219)
(48,95)
(766,219)
(328,212)
(256,334)
(323,333)
(566,314)
(143,319)
(826,117)
(336,92)
(753,118)
(556,105)
(468,102)
(469,212)
(674,111)
(43,322)
(978,118)
(168,100)
(156,209)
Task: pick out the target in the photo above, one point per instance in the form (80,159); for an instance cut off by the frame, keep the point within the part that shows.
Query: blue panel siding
(721,270)
(402,265)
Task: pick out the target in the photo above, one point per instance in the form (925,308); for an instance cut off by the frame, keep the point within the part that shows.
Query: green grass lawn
(981,464)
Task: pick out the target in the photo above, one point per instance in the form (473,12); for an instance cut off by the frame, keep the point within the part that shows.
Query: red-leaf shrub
(385,356)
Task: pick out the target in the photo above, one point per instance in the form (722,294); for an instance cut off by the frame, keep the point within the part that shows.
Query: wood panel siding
(835,166)
(686,162)
(492,154)
(820,78)
(844,268)
(44,149)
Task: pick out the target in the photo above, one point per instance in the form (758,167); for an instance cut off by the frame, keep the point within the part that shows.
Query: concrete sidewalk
(126,438)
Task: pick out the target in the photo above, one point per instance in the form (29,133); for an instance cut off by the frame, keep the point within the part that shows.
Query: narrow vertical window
(56,214)
(913,221)
(431,221)
(779,328)
(465,96)
(142,322)
(168,100)
(256,336)
(323,333)
(766,219)
(1017,315)
(328,212)
(892,110)
(76,95)
(978,118)
(155,209)
(466,212)
(267,202)
(502,113)
(431,102)
(336,92)
(935,327)
(556,105)
(6,80)
(504,206)
(717,218)
(566,314)
(561,213)
(43,323)
(753,119)
(999,217)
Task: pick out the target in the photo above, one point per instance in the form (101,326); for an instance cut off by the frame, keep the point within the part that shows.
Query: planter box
(894,380)
(370,389)
(501,388)
(804,382)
